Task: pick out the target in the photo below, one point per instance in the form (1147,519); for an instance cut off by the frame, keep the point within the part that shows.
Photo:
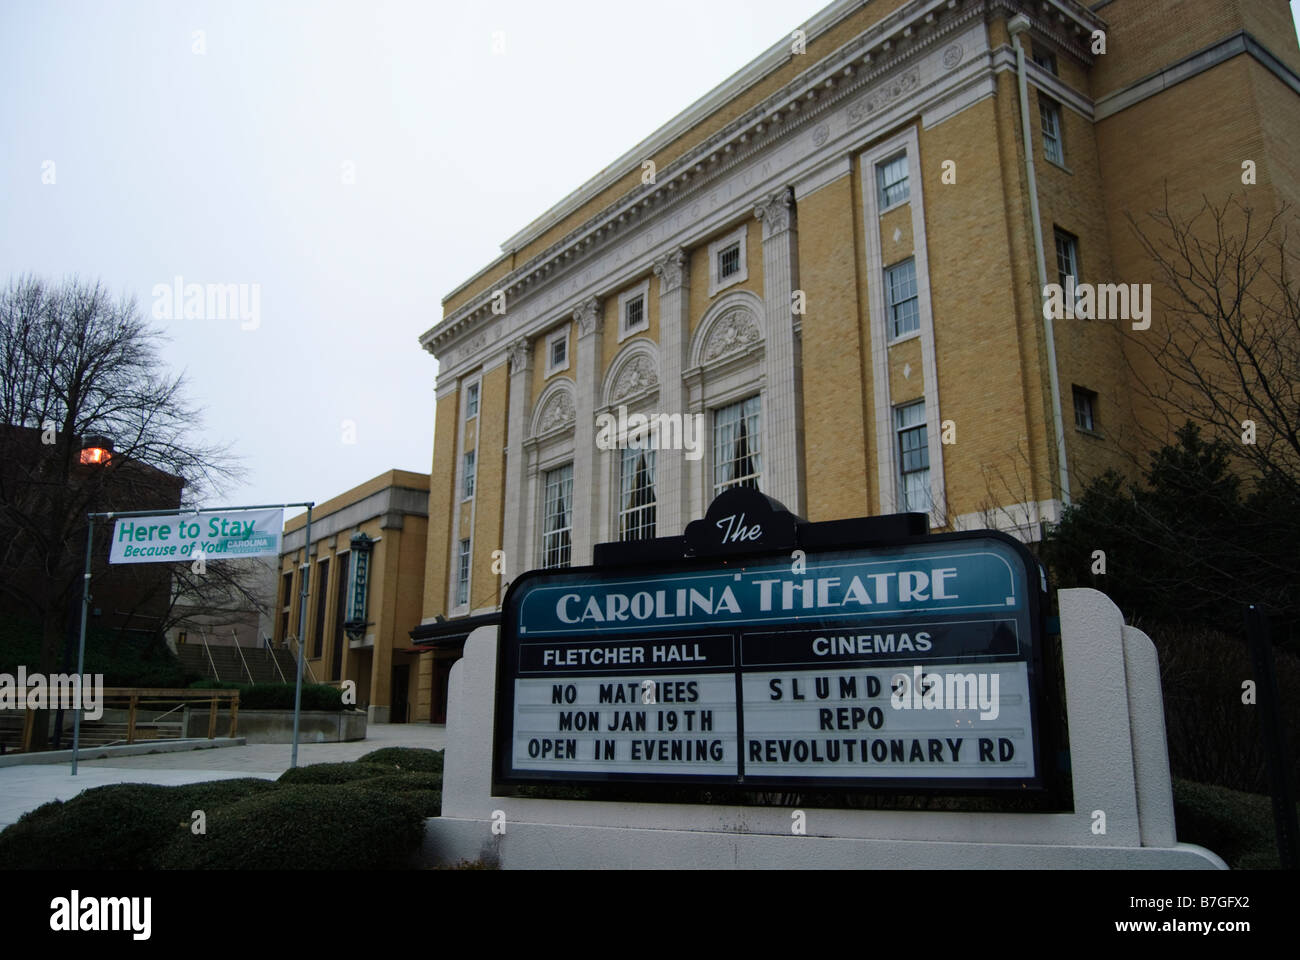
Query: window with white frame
(468,486)
(1067,257)
(462,574)
(471,401)
(634,310)
(736,451)
(913,457)
(557,517)
(891,181)
(557,351)
(1049,112)
(901,299)
(728,260)
(636,494)
(1085,409)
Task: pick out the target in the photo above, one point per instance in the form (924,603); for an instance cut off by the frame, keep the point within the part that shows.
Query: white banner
(217,535)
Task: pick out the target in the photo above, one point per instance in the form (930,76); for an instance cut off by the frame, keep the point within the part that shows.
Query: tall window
(322,605)
(462,574)
(891,181)
(636,494)
(913,457)
(1085,409)
(736,446)
(471,402)
(1045,59)
(900,289)
(1049,112)
(287,606)
(557,515)
(1067,257)
(469,475)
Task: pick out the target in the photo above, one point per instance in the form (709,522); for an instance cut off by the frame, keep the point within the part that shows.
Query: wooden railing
(132,698)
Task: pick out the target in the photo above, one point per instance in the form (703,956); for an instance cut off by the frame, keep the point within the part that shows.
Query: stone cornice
(850,71)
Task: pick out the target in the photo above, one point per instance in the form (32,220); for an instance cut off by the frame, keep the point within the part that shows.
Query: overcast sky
(212,142)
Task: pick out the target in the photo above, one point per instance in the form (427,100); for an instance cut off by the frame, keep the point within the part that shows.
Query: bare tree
(1226,354)
(77,363)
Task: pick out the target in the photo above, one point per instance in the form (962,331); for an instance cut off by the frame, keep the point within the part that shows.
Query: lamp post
(95,451)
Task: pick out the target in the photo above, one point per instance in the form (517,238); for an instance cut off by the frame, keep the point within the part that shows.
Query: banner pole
(302,623)
(81,646)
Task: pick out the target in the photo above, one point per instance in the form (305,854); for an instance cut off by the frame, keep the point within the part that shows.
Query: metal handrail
(235,633)
(298,647)
(275,660)
(204,637)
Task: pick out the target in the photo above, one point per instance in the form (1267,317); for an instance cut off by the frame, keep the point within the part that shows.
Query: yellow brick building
(360,634)
(836,260)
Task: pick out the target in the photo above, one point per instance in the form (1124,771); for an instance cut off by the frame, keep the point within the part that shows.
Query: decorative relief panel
(883,95)
(732,332)
(638,374)
(557,413)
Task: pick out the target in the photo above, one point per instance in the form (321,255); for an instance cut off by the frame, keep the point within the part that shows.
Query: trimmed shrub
(279,696)
(305,826)
(407,758)
(118,827)
(1237,826)
(333,773)
(427,801)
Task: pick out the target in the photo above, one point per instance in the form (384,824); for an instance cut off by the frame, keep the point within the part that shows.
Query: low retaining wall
(276,726)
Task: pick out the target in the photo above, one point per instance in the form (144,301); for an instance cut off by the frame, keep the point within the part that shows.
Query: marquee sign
(909,663)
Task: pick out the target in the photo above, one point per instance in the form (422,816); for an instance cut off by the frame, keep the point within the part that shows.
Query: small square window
(557,351)
(727,264)
(1045,59)
(891,181)
(471,402)
(1085,409)
(634,310)
(1049,112)
(729,261)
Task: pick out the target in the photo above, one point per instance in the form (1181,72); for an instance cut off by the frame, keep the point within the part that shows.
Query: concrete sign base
(1123,798)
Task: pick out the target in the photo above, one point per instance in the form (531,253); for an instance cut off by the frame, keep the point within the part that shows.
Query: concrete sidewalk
(28,786)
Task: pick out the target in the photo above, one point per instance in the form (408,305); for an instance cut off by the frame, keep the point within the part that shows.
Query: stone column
(672,470)
(589,319)
(780,459)
(516,504)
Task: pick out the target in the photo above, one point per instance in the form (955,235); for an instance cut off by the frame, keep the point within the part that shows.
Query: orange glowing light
(95,455)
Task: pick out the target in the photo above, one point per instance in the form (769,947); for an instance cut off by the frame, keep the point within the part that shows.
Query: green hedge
(279,696)
(333,773)
(119,827)
(306,827)
(1237,826)
(407,758)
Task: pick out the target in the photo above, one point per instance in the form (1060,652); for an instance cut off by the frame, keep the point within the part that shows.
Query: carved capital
(521,355)
(671,270)
(776,211)
(589,317)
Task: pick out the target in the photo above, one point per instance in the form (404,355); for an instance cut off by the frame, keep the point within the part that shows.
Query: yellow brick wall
(834,345)
(490,489)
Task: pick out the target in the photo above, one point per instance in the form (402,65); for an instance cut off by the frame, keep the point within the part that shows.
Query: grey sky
(227,166)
